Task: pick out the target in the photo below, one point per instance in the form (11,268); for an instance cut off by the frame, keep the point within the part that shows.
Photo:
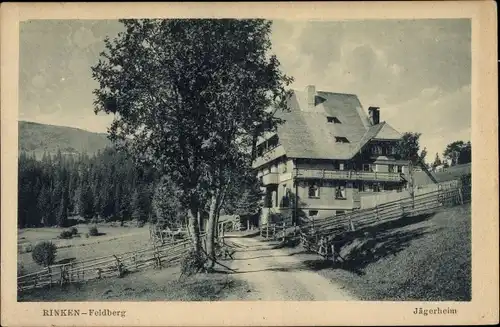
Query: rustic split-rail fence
(326,236)
(158,256)
(321,236)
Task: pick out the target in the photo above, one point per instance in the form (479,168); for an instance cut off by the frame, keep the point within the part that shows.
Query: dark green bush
(93,231)
(74,230)
(66,234)
(44,253)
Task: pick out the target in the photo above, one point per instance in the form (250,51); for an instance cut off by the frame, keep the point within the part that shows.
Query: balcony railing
(270,178)
(347,175)
(268,156)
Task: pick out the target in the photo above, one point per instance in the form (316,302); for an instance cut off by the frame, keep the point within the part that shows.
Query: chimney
(311,97)
(374,115)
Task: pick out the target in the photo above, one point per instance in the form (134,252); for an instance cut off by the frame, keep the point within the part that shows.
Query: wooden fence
(322,235)
(109,266)
(276,231)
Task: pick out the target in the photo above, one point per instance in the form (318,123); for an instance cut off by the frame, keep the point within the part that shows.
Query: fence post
(118,266)
(50,274)
(267,231)
(284,226)
(333,252)
(351,223)
(274,231)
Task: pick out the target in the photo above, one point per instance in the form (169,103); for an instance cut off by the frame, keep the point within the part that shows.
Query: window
(400,169)
(340,212)
(313,213)
(391,168)
(284,167)
(341,139)
(368,167)
(334,120)
(313,191)
(389,150)
(377,149)
(272,142)
(376,187)
(285,200)
(260,150)
(341,166)
(340,192)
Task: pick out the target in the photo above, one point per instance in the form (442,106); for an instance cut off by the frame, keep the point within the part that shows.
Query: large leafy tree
(166,205)
(189,97)
(458,152)
(408,148)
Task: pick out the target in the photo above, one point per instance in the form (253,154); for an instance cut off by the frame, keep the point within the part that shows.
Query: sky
(417,71)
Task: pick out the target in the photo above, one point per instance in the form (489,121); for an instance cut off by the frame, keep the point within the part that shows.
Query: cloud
(83,37)
(397,58)
(442,117)
(417,71)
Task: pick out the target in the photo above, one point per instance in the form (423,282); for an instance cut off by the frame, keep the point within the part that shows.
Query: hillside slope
(39,138)
(425,258)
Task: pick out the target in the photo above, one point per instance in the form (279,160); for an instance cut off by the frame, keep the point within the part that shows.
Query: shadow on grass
(365,246)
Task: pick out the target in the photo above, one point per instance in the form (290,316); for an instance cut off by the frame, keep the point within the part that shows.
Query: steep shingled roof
(307,134)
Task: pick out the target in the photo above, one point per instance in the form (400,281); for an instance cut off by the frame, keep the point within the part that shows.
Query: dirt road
(276,275)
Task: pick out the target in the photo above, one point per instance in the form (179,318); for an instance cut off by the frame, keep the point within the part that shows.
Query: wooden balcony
(347,175)
(270,178)
(269,156)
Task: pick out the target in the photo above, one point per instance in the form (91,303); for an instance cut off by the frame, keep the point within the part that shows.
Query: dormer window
(334,120)
(341,139)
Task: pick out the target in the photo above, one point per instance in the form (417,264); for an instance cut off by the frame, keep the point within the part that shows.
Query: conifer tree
(62,214)
(44,205)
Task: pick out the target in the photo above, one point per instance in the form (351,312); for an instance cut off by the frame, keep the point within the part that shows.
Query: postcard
(279,163)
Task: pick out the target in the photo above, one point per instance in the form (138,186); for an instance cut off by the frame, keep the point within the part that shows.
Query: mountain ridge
(38,138)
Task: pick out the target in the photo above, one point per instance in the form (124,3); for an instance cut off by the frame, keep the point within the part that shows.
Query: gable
(387,132)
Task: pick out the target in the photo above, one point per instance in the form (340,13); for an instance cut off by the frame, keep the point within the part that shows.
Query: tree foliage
(458,152)
(55,188)
(408,148)
(244,196)
(166,205)
(189,98)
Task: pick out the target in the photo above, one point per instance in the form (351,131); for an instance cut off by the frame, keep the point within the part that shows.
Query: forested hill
(39,138)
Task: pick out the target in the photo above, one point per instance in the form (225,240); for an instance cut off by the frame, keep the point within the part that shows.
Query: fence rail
(113,265)
(275,231)
(321,236)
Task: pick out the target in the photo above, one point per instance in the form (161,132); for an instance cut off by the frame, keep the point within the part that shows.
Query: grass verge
(150,285)
(427,259)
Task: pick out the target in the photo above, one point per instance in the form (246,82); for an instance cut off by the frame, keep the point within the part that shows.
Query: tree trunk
(194,230)
(212,224)
(200,224)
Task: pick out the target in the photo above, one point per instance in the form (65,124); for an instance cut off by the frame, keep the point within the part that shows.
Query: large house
(326,155)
